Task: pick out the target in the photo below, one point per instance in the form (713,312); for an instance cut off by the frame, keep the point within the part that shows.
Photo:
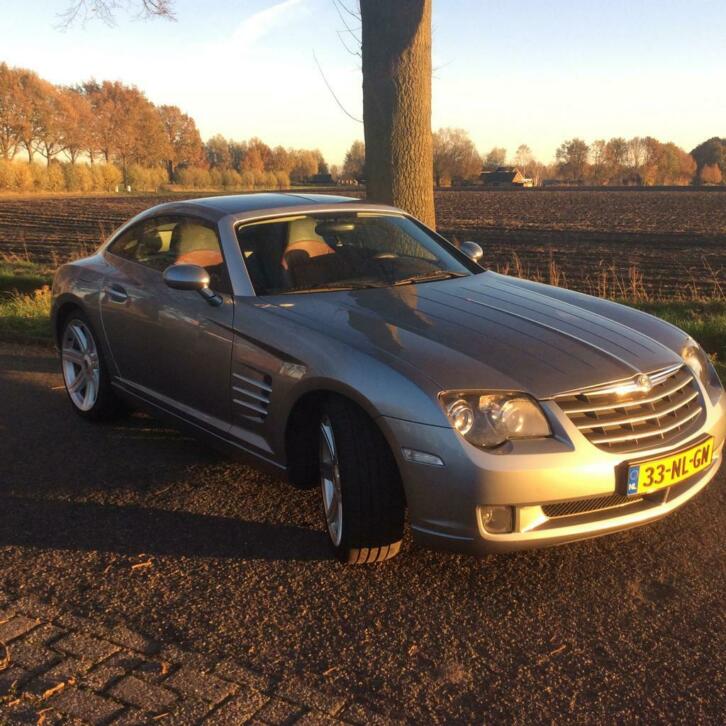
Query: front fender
(377,388)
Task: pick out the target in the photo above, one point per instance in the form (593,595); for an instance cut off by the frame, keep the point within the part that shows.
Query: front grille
(582,506)
(622,419)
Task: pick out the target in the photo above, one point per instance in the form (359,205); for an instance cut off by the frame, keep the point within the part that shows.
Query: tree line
(110,124)
(640,161)
(96,136)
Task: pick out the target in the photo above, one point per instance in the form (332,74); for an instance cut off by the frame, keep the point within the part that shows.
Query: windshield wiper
(324,287)
(430,277)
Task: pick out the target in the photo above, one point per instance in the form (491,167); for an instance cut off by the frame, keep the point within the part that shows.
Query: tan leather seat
(196,244)
(302,238)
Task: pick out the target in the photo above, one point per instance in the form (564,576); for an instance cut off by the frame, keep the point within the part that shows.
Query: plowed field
(623,243)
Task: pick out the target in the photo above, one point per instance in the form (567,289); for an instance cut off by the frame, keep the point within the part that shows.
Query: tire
(85,373)
(362,495)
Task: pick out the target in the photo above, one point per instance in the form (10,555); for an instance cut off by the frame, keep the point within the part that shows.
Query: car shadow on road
(132,530)
(52,462)
(30,359)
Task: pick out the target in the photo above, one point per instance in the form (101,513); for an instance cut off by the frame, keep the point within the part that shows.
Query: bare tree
(495,158)
(572,159)
(396,67)
(455,156)
(105,10)
(598,166)
(355,161)
(636,152)
(523,158)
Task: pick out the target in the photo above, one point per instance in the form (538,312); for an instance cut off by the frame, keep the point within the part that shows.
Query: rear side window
(125,244)
(164,241)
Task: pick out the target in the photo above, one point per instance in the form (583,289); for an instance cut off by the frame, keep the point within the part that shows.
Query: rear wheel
(361,489)
(84,370)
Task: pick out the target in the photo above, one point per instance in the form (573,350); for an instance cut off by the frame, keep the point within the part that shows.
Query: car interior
(314,252)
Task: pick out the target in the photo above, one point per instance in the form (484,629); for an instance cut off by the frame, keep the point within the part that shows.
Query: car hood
(497,332)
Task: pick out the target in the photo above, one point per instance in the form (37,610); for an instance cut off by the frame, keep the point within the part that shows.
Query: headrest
(151,242)
(302,229)
(188,237)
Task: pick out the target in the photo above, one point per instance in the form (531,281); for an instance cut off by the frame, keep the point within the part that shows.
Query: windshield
(354,250)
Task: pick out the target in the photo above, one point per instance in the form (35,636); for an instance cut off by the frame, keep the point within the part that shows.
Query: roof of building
(505,175)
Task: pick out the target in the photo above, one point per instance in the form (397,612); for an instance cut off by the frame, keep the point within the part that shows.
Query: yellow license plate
(649,476)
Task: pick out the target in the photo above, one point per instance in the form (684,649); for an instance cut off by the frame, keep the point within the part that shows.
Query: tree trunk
(396,49)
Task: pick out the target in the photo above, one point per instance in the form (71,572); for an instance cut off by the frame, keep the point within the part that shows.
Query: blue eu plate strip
(633,476)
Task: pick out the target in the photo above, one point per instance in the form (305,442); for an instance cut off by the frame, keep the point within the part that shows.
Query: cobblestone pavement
(59,668)
(133,524)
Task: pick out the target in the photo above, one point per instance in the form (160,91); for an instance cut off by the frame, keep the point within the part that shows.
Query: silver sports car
(349,347)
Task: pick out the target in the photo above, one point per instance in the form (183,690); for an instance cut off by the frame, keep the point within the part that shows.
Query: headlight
(490,419)
(699,363)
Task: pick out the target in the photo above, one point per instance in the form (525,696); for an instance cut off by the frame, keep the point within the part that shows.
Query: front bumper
(531,476)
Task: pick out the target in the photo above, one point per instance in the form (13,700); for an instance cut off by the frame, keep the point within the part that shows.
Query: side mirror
(191,277)
(472,250)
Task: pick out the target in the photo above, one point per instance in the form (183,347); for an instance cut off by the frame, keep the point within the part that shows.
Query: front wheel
(363,500)
(84,371)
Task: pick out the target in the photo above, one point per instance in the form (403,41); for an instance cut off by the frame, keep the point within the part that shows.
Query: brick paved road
(58,668)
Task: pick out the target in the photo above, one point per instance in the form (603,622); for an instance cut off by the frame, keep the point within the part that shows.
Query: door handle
(117,294)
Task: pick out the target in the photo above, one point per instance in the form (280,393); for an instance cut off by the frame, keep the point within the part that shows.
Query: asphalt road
(231,562)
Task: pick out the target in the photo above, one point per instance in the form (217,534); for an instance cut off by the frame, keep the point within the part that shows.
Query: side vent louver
(251,393)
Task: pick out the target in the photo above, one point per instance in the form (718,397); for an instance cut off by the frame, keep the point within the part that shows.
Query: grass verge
(24,300)
(21,276)
(704,321)
(26,318)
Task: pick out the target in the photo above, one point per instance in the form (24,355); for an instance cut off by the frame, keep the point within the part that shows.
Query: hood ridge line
(579,319)
(560,332)
(469,328)
(506,283)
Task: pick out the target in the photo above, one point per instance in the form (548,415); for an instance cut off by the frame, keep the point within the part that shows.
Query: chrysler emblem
(643,383)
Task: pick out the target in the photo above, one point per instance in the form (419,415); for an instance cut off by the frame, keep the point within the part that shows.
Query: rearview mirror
(472,250)
(191,277)
(334,227)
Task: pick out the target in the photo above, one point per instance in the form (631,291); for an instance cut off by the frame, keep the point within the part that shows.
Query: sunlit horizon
(507,75)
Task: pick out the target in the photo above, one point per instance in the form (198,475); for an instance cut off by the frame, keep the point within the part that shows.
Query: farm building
(320,179)
(505,176)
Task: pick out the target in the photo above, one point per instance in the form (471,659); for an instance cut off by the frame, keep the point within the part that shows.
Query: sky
(510,72)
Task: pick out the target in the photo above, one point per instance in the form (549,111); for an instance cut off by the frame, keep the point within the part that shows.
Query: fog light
(421,457)
(497,520)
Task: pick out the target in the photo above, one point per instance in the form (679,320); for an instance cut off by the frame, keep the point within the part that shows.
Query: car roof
(240,203)
(248,206)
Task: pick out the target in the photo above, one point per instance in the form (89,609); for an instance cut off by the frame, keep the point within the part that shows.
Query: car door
(170,346)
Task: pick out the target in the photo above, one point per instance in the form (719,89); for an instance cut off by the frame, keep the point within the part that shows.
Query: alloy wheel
(81,365)
(330,482)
